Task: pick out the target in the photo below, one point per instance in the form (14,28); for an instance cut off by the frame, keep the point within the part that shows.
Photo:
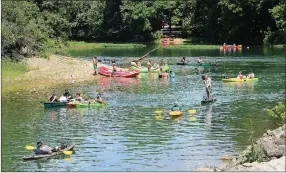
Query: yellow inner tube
(173,113)
(192,111)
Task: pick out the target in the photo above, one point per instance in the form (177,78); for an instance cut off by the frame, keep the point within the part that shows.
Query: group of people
(200,61)
(249,76)
(67,97)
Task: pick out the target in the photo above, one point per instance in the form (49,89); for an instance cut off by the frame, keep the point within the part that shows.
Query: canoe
(54,104)
(119,73)
(40,156)
(239,80)
(209,100)
(145,69)
(193,64)
(72,104)
(175,113)
(91,105)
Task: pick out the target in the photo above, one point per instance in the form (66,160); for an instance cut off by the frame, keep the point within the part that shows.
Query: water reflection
(208,116)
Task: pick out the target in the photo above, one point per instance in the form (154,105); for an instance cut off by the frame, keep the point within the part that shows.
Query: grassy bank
(85,45)
(13,69)
(191,46)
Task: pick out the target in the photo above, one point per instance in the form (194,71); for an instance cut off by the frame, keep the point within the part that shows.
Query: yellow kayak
(175,113)
(239,80)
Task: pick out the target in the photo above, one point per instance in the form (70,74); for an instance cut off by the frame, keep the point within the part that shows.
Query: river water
(128,136)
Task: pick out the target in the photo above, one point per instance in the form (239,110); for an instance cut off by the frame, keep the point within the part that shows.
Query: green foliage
(28,26)
(255,155)
(278,112)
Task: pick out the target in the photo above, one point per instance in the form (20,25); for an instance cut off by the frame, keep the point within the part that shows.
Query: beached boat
(41,156)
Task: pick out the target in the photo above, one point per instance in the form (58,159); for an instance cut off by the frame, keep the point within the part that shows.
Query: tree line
(28,26)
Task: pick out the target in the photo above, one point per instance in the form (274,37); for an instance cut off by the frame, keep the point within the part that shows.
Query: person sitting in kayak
(113,70)
(99,98)
(240,75)
(250,75)
(200,61)
(42,148)
(53,98)
(208,85)
(176,107)
(78,97)
(183,60)
(95,61)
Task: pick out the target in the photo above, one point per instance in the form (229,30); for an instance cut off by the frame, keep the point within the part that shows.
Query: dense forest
(34,26)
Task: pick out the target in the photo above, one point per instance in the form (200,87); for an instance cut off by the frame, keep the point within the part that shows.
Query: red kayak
(105,71)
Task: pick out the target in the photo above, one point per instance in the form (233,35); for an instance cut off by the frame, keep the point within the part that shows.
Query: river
(128,136)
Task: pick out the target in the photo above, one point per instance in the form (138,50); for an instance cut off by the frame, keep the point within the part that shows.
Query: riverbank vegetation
(85,45)
(39,28)
(185,46)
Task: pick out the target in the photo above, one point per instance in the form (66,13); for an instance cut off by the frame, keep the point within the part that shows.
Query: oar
(144,56)
(28,147)
(67,152)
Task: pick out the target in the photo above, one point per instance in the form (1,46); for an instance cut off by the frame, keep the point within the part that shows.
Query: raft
(105,71)
(40,156)
(145,69)
(54,104)
(239,80)
(175,113)
(193,64)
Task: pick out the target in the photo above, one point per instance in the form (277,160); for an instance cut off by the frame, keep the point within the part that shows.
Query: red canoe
(119,73)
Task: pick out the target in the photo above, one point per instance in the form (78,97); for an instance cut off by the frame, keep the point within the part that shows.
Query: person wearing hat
(176,107)
(250,75)
(208,85)
(53,97)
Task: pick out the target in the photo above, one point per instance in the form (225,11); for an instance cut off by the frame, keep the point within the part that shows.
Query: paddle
(28,147)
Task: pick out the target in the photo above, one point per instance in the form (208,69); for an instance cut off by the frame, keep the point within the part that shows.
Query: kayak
(209,100)
(145,69)
(105,71)
(40,156)
(91,105)
(54,104)
(175,113)
(239,80)
(193,64)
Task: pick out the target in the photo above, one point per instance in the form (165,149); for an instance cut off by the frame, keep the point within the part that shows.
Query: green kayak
(90,105)
(54,104)
(145,69)
(193,64)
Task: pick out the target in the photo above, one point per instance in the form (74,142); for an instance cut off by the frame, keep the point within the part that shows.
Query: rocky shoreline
(266,154)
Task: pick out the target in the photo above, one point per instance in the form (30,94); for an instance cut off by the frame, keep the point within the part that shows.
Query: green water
(126,136)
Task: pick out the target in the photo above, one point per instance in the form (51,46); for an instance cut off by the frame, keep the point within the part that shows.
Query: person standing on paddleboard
(208,85)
